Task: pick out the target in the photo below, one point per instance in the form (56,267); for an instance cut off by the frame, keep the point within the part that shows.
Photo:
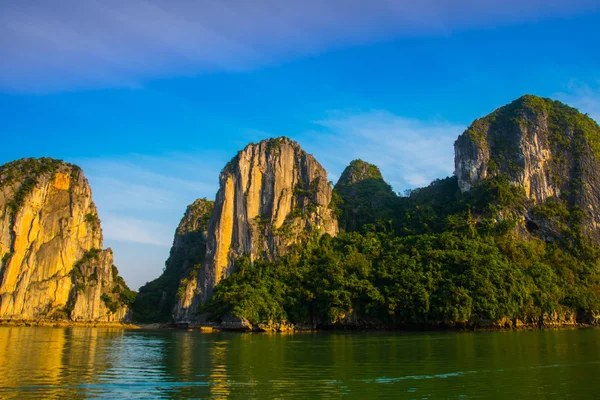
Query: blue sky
(152,98)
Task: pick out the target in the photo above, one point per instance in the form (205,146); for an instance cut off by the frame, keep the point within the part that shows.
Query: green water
(105,363)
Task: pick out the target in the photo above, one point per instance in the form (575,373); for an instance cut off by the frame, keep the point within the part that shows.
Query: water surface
(110,363)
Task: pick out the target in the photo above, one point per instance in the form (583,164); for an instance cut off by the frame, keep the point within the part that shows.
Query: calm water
(105,363)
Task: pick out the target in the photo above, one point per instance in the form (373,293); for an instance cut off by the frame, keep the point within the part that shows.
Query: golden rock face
(44,231)
(271,195)
(62,181)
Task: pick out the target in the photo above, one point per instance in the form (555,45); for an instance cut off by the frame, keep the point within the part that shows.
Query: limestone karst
(272,195)
(548,149)
(156,299)
(53,265)
(362,196)
(528,171)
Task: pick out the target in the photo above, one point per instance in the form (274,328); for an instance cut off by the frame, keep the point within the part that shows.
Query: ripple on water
(95,363)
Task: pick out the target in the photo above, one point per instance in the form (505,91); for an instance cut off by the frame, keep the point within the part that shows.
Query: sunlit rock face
(50,246)
(549,149)
(272,195)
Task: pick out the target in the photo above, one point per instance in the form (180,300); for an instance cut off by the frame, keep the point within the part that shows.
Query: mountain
(362,196)
(53,265)
(272,196)
(550,151)
(511,240)
(156,299)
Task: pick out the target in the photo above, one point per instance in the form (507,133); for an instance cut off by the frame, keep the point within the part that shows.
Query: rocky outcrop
(547,148)
(50,241)
(272,196)
(156,299)
(362,196)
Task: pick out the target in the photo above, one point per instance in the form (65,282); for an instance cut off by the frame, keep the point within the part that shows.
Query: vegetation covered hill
(509,240)
(361,196)
(441,268)
(156,299)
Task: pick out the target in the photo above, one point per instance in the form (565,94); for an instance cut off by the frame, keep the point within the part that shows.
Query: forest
(432,258)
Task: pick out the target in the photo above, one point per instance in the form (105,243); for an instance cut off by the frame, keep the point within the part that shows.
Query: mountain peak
(358,171)
(272,196)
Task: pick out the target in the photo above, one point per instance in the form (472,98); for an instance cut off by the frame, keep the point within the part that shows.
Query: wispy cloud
(127,229)
(149,192)
(584,97)
(74,44)
(142,184)
(409,152)
(140,201)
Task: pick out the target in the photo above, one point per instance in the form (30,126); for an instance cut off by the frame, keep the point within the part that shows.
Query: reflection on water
(218,373)
(110,363)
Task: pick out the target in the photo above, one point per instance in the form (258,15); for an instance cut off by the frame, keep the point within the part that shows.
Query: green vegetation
(85,273)
(362,197)
(93,220)
(306,197)
(156,299)
(569,133)
(379,279)
(436,256)
(110,303)
(126,296)
(26,171)
(92,254)
(274,144)
(442,259)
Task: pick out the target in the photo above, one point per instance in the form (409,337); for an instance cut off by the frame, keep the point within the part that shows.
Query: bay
(37,362)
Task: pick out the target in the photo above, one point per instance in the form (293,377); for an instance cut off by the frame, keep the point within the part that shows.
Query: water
(109,363)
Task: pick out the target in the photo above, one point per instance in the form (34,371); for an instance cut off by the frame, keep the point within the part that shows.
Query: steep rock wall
(545,147)
(50,240)
(272,195)
(156,299)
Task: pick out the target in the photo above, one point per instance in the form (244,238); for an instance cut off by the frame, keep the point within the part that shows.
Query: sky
(153,97)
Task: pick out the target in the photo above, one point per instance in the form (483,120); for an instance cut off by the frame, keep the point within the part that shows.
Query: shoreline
(337,329)
(67,324)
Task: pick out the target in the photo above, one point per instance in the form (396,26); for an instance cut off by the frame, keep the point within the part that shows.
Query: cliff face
(50,240)
(271,196)
(547,148)
(156,299)
(362,196)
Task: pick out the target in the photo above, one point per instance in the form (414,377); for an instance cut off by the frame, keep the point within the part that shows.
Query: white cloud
(410,153)
(74,44)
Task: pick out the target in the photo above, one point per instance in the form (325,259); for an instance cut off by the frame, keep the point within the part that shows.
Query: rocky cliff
(272,195)
(362,196)
(548,149)
(156,299)
(50,245)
